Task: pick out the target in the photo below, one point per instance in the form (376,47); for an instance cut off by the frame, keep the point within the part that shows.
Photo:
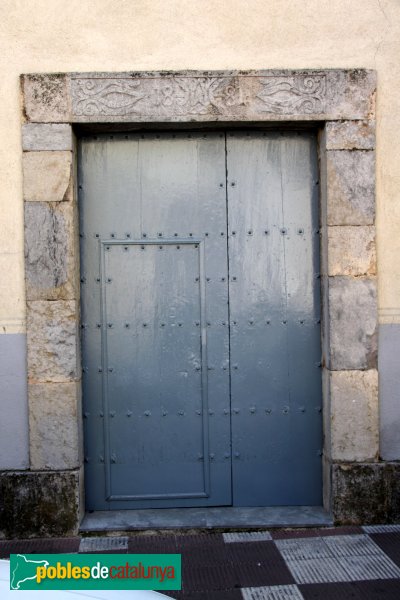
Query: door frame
(59,107)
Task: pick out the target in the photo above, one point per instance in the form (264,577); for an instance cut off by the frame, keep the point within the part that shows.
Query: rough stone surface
(51,251)
(268,95)
(39,504)
(54,182)
(46,136)
(354,415)
(351,250)
(52,341)
(45,97)
(350,187)
(366,493)
(350,135)
(53,425)
(353,327)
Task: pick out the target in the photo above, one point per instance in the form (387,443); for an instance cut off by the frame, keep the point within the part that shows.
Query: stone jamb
(340,102)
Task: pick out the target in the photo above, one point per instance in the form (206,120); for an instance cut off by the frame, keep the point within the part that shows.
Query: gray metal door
(275,319)
(201,385)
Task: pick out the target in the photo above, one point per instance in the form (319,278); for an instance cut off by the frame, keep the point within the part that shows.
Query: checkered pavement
(306,564)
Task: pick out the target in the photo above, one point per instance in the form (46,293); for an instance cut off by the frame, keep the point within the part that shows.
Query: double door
(200,319)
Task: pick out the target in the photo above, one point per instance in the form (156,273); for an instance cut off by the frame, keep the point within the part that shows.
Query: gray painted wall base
(389,391)
(14,438)
(204,518)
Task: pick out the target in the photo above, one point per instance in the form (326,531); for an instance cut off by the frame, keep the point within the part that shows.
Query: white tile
(273,592)
(362,568)
(317,570)
(247,536)
(103,544)
(351,545)
(304,548)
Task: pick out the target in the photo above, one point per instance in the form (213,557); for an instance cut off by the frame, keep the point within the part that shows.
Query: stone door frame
(57,106)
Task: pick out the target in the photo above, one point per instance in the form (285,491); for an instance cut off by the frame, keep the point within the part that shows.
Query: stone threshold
(226,517)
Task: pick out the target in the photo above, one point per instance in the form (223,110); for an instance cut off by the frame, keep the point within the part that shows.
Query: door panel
(274,316)
(201,319)
(153,217)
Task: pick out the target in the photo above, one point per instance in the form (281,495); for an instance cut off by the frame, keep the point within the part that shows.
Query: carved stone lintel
(210,96)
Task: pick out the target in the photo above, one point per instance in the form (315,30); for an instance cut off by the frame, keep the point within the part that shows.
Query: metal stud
(284,322)
(107,247)
(190,234)
(233,232)
(162,324)
(81,235)
(268,322)
(210,412)
(208,279)
(252,409)
(113,458)
(128,235)
(113,235)
(84,369)
(227,455)
(222,278)
(160,247)
(251,322)
(198,412)
(178,247)
(237,454)
(83,279)
(283,231)
(221,185)
(164,413)
(302,409)
(83,326)
(268,411)
(109,325)
(226,411)
(101,414)
(147,413)
(110,369)
(98,279)
(200,457)
(112,413)
(197,323)
(127,325)
(144,324)
(206,234)
(285,410)
(222,233)
(129,413)
(101,458)
(100,370)
(266,232)
(144,235)
(196,279)
(236,411)
(212,456)
(301,321)
(86,415)
(234,278)
(300,231)
(181,413)
(126,248)
(250,232)
(109,280)
(175,235)
(160,234)
(96,235)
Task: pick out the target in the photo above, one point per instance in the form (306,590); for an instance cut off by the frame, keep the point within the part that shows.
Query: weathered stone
(354,415)
(54,182)
(267,95)
(351,250)
(366,493)
(39,504)
(45,97)
(358,494)
(350,135)
(46,136)
(50,251)
(352,323)
(53,425)
(52,341)
(350,187)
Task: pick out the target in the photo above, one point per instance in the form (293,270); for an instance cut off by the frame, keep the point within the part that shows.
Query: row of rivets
(127,325)
(283,231)
(253,409)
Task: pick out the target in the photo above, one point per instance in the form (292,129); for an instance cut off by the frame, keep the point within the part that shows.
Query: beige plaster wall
(119,35)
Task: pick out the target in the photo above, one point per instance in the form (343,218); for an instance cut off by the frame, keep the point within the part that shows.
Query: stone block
(350,187)
(45,97)
(358,494)
(39,504)
(351,250)
(365,493)
(354,415)
(53,425)
(51,251)
(353,327)
(47,176)
(37,137)
(350,135)
(53,341)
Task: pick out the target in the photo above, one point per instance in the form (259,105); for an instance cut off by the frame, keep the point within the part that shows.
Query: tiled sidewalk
(360,563)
